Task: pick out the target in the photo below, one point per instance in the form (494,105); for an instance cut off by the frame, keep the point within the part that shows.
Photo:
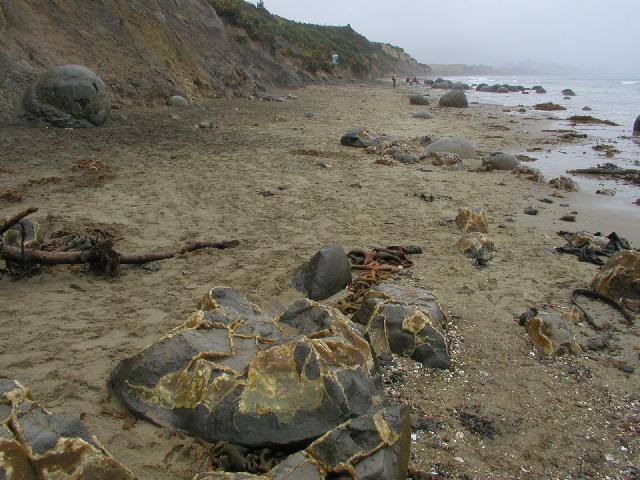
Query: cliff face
(146,50)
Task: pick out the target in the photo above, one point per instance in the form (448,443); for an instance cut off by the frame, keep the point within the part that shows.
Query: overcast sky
(604,34)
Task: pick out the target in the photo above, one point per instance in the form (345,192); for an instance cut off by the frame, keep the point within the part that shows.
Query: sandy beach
(171,181)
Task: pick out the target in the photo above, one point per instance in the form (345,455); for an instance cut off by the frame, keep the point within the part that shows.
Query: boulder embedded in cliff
(69,96)
(232,374)
(500,161)
(328,272)
(177,101)
(458,146)
(455,99)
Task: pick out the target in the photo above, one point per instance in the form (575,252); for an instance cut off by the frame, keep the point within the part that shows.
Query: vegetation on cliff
(309,46)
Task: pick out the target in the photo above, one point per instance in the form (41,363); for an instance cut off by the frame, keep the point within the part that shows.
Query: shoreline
(171,181)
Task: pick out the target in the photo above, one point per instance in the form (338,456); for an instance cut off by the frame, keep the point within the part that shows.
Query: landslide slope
(146,50)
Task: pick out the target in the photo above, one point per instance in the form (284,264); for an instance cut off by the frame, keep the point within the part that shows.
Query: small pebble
(531,211)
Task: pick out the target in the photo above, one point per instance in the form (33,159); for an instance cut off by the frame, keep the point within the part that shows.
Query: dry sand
(63,330)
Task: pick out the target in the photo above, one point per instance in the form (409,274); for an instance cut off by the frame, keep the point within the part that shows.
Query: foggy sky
(589,34)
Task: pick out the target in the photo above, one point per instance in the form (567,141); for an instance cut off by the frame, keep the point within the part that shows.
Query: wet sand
(64,329)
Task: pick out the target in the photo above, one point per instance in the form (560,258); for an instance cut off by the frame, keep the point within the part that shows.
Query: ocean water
(615,99)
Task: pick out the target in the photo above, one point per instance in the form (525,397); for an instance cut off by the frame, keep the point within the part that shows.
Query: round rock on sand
(177,101)
(500,161)
(455,99)
(459,146)
(69,96)
(425,114)
(636,126)
(417,99)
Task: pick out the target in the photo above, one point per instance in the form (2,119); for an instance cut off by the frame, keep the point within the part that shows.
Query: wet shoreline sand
(174,182)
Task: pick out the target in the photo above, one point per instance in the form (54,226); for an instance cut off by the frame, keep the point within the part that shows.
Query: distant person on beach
(394,79)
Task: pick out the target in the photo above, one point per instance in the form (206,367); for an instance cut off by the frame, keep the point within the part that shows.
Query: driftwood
(621,172)
(102,257)
(7,222)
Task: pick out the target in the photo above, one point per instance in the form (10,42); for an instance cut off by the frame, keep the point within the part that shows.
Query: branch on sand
(11,220)
(102,257)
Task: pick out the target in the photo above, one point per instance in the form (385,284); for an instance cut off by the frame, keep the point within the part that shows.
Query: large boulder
(359,138)
(177,101)
(619,279)
(232,374)
(36,445)
(69,96)
(463,148)
(455,99)
(503,90)
(406,321)
(460,86)
(417,99)
(567,92)
(500,161)
(325,274)
(636,125)
(373,447)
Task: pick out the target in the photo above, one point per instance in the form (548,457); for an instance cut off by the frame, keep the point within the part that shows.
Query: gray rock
(567,92)
(230,373)
(177,101)
(403,156)
(359,138)
(503,90)
(636,125)
(460,86)
(425,114)
(406,321)
(500,161)
(328,272)
(455,99)
(531,211)
(35,443)
(69,96)
(461,147)
(374,447)
(417,99)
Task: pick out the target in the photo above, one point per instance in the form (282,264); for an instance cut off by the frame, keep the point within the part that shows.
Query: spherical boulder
(459,146)
(177,101)
(69,96)
(417,99)
(455,99)
(460,86)
(503,90)
(500,161)
(636,126)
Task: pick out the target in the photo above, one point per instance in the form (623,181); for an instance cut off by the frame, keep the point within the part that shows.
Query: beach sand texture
(63,330)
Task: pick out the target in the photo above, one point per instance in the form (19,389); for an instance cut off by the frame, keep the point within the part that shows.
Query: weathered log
(6,223)
(622,172)
(95,256)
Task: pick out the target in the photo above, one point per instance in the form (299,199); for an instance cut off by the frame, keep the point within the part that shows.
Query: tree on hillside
(261,6)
